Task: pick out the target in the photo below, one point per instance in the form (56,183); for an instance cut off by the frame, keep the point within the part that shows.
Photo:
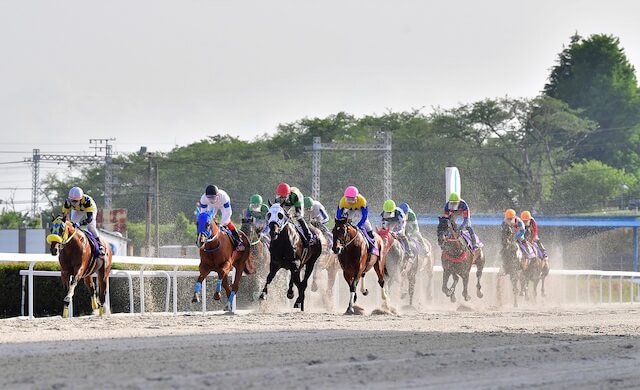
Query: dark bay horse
(511,259)
(352,249)
(287,251)
(78,260)
(457,259)
(217,254)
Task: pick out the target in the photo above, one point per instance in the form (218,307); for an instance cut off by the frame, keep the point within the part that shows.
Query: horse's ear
(269,202)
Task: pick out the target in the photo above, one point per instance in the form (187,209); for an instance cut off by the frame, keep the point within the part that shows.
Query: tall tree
(594,75)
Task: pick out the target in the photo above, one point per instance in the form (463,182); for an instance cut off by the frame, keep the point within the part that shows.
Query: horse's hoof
(216,296)
(94,303)
(350,311)
(65,312)
(467,297)
(263,296)
(101,311)
(452,298)
(314,287)
(196,298)
(480,294)
(290,294)
(296,305)
(365,292)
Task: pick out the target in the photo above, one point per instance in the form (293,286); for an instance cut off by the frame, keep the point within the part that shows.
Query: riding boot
(543,250)
(373,249)
(474,244)
(236,236)
(307,233)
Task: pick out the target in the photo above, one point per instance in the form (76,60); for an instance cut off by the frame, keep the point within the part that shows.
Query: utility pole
(157,199)
(108,168)
(147,230)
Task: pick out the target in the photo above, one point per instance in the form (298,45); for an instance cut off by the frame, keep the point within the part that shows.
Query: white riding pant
(78,216)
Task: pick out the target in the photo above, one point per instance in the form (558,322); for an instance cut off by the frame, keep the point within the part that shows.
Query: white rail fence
(575,286)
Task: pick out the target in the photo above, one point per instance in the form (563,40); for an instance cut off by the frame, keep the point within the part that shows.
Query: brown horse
(511,260)
(352,249)
(77,261)
(535,268)
(457,259)
(217,254)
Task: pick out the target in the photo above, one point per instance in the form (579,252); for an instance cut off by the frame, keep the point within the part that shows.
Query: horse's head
(276,218)
(206,229)
(58,233)
(448,236)
(444,229)
(341,234)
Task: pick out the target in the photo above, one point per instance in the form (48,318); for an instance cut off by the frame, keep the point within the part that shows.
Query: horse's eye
(280,215)
(269,215)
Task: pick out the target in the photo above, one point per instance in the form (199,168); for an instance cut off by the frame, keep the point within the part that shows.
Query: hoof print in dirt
(464,308)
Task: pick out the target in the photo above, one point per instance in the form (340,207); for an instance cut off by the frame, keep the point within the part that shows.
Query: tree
(594,75)
(525,142)
(589,185)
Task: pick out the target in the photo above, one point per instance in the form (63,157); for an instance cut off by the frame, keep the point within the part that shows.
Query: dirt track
(574,347)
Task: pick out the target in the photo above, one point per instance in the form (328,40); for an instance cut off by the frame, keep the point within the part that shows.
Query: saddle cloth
(93,241)
(467,237)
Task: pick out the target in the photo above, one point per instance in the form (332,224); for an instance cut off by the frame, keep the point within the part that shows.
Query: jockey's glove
(76,225)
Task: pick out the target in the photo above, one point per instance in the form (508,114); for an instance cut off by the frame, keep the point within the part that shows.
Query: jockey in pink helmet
(354,206)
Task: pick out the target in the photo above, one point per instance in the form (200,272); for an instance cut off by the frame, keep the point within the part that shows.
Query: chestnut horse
(78,261)
(287,251)
(352,249)
(457,258)
(217,254)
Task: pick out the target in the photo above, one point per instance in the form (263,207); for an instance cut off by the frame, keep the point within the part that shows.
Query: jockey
(214,200)
(317,213)
(531,231)
(256,213)
(395,220)
(412,221)
(81,210)
(511,218)
(455,207)
(354,206)
(291,199)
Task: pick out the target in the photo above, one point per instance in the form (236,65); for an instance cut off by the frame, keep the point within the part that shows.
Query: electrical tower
(73,159)
(318,146)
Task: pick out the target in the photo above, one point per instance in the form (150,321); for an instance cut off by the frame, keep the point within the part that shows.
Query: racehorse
(287,251)
(79,259)
(259,246)
(399,266)
(328,261)
(457,258)
(217,254)
(535,268)
(511,259)
(352,249)
(425,261)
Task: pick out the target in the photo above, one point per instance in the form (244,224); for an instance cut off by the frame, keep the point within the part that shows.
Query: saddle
(312,236)
(228,232)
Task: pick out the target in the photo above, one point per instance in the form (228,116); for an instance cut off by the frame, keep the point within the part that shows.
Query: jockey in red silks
(531,232)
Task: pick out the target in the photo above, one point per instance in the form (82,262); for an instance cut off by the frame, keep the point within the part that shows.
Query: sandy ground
(449,348)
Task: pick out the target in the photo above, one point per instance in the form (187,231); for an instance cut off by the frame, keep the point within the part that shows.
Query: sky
(169,73)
